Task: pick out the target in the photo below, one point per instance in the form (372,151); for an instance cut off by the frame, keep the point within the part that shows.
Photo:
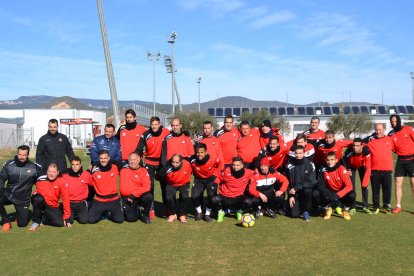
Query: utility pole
(199,102)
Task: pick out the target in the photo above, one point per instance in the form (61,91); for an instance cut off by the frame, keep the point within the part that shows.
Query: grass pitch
(367,245)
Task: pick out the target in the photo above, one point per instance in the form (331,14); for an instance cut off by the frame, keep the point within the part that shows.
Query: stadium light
(412,77)
(172,41)
(199,84)
(150,57)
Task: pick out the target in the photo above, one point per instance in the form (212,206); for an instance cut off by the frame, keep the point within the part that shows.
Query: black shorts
(404,168)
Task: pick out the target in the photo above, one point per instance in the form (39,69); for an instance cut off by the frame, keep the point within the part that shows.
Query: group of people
(241,170)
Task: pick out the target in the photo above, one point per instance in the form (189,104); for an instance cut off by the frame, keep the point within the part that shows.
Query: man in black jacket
(52,148)
(302,179)
(20,174)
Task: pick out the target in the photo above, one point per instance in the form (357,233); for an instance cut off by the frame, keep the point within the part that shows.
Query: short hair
(329,132)
(207,123)
(175,118)
(236,159)
(315,118)
(53,166)
(103,151)
(358,140)
(133,153)
(331,153)
(244,123)
(274,138)
(76,158)
(180,157)
(299,148)
(53,121)
(130,111)
(229,117)
(301,136)
(110,126)
(155,119)
(200,146)
(24,147)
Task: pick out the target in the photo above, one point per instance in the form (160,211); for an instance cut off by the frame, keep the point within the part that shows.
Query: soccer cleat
(306,216)
(352,211)
(271,213)
(152,214)
(146,219)
(6,227)
(387,210)
(172,218)
(239,215)
(220,216)
(207,218)
(35,226)
(328,214)
(367,210)
(183,219)
(376,211)
(198,216)
(396,210)
(346,215)
(281,212)
(256,215)
(338,210)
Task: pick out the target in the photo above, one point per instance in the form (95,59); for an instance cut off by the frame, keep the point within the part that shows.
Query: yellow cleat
(328,214)
(346,215)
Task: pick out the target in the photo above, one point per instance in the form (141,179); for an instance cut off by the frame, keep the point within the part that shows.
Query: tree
(283,125)
(193,121)
(347,125)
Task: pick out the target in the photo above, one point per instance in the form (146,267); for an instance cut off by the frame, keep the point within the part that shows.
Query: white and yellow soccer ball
(248,220)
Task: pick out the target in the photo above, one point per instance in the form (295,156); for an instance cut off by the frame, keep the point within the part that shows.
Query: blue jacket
(102,143)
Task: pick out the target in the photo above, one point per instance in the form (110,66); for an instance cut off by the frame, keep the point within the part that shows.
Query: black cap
(267,123)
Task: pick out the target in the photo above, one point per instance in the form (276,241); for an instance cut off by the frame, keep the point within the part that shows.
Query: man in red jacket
(105,181)
(233,182)
(248,145)
(178,175)
(149,148)
(228,136)
(45,200)
(205,170)
(266,131)
(381,148)
(212,143)
(358,159)
(403,139)
(314,134)
(135,189)
(275,152)
(335,185)
(78,182)
(268,188)
(129,134)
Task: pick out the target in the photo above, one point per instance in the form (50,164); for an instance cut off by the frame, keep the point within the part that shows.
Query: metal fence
(12,137)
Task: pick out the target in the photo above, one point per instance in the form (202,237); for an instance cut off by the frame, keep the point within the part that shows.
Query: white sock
(398,205)
(208,211)
(198,209)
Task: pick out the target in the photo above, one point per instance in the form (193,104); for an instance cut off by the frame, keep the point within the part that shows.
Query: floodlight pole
(151,58)
(111,78)
(172,41)
(199,84)
(412,77)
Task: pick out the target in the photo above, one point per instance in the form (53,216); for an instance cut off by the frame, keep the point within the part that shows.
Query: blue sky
(303,51)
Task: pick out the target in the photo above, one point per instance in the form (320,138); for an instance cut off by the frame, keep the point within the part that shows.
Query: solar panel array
(314,110)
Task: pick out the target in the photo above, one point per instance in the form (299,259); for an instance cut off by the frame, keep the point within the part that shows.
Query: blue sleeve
(94,151)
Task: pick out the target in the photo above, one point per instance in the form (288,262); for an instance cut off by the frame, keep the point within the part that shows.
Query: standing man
(248,145)
(20,174)
(135,189)
(129,134)
(108,142)
(78,182)
(358,159)
(314,134)
(232,186)
(381,148)
(228,136)
(105,181)
(301,140)
(212,143)
(50,189)
(266,131)
(52,148)
(149,148)
(403,139)
(335,185)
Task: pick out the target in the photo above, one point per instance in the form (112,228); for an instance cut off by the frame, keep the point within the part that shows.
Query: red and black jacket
(233,184)
(176,144)
(150,146)
(129,136)
(105,179)
(336,179)
(206,168)
(78,184)
(403,140)
(261,182)
(179,176)
(228,143)
(134,182)
(248,146)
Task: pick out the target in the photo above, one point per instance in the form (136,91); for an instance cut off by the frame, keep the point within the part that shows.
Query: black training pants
(170,193)
(381,179)
(198,188)
(79,210)
(99,207)
(242,202)
(131,209)
(43,213)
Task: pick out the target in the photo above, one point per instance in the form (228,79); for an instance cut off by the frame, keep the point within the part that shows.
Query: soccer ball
(248,220)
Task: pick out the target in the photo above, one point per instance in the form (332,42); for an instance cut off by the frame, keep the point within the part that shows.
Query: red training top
(134,182)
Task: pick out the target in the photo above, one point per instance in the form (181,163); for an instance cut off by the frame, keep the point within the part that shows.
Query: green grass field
(367,245)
